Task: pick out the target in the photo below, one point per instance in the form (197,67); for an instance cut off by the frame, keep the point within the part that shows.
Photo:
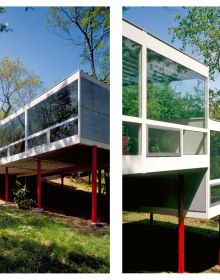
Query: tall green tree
(18,85)
(199,29)
(93,25)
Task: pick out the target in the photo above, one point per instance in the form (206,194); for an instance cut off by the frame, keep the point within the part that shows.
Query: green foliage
(130,101)
(199,29)
(22,197)
(166,104)
(214,104)
(18,85)
(93,26)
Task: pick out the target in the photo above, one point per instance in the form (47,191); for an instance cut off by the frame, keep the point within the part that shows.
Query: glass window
(163,142)
(214,155)
(17,148)
(194,143)
(131,138)
(214,195)
(55,109)
(3,153)
(175,93)
(64,131)
(131,78)
(12,131)
(37,141)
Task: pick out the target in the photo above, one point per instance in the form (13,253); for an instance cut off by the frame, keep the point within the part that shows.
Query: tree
(3,26)
(18,85)
(199,29)
(93,26)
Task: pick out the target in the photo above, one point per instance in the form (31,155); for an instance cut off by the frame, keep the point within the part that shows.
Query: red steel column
(94,184)
(181,225)
(6,184)
(39,183)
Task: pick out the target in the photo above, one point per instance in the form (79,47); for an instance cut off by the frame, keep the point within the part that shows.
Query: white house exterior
(166,129)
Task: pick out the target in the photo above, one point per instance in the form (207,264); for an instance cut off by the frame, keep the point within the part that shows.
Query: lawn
(44,242)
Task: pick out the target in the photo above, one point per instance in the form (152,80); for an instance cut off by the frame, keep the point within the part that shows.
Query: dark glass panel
(37,141)
(64,131)
(214,155)
(12,131)
(131,78)
(3,153)
(175,93)
(131,138)
(17,148)
(215,195)
(53,110)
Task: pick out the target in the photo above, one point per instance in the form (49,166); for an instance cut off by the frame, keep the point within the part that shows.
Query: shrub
(22,197)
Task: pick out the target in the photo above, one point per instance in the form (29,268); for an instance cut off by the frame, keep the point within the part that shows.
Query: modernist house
(171,149)
(65,129)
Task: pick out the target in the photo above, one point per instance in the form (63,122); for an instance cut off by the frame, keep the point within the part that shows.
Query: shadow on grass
(69,201)
(154,248)
(23,250)
(31,257)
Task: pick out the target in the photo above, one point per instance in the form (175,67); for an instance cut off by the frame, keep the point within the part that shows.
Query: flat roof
(136,26)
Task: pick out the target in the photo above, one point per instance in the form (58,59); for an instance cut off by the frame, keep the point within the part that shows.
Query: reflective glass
(17,148)
(215,195)
(175,93)
(12,131)
(131,138)
(3,153)
(37,141)
(131,78)
(163,142)
(214,155)
(53,110)
(64,131)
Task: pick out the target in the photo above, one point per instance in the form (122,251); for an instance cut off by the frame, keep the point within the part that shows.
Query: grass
(32,242)
(129,217)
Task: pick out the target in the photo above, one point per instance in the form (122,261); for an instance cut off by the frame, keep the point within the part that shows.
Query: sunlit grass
(33,242)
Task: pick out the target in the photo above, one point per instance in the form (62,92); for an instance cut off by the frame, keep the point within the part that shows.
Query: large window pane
(131,78)
(214,155)
(55,109)
(17,148)
(175,93)
(131,138)
(214,195)
(37,141)
(12,131)
(163,142)
(3,153)
(64,131)
(194,143)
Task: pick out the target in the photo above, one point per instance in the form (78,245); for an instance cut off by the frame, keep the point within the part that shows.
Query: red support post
(39,184)
(181,226)
(62,179)
(94,184)
(6,184)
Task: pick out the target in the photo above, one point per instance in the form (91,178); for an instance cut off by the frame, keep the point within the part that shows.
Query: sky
(157,20)
(40,49)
